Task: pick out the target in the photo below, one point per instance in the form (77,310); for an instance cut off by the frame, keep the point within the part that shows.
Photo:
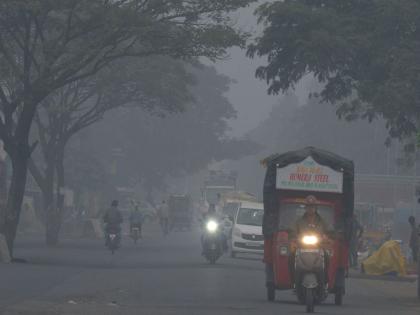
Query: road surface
(165,276)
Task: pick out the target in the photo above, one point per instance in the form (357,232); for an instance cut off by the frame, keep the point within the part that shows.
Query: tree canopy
(366,54)
(154,148)
(46,45)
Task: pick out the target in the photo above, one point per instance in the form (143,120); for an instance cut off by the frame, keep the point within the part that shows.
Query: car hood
(249,229)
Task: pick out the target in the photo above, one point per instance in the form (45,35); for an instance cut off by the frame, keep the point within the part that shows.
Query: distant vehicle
(180,212)
(247,234)
(218,183)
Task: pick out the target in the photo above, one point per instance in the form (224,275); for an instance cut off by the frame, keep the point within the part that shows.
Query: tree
(155,84)
(46,45)
(157,148)
(364,52)
(292,125)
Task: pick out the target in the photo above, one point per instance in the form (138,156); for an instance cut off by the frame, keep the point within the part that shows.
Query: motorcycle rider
(212,215)
(136,220)
(113,219)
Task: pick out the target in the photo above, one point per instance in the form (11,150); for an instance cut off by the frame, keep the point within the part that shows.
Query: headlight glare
(310,240)
(212,226)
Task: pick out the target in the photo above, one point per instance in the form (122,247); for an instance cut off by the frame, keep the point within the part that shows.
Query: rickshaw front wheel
(271,293)
(310,301)
(338,298)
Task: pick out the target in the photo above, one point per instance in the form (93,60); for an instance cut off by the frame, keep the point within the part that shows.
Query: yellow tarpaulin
(387,259)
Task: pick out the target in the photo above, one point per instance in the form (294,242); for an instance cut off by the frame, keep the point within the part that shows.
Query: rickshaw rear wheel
(271,293)
(338,298)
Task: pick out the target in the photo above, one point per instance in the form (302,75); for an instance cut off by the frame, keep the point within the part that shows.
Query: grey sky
(248,94)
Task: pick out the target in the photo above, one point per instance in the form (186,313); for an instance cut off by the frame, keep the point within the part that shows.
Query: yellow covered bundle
(387,259)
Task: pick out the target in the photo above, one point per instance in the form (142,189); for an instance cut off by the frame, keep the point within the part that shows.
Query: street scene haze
(229,157)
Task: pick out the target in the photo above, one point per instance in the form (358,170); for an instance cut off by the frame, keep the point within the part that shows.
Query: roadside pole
(418,270)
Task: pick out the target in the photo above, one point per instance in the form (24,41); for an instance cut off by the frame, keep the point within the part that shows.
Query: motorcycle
(113,239)
(212,241)
(310,270)
(135,234)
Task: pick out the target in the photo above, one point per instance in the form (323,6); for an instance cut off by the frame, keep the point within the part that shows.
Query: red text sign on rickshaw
(308,175)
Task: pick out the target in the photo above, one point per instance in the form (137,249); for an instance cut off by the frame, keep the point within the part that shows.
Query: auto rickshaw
(290,179)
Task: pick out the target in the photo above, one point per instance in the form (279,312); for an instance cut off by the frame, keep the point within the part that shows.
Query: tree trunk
(11,214)
(52,217)
(59,197)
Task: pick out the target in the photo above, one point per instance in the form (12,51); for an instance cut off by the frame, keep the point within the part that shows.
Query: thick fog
(209,157)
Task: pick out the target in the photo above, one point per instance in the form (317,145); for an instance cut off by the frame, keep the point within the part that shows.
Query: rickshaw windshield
(290,213)
(248,216)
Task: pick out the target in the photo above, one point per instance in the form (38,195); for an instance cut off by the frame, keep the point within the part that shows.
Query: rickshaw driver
(311,220)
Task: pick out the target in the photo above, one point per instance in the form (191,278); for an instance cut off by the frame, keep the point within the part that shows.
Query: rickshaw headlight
(212,226)
(310,240)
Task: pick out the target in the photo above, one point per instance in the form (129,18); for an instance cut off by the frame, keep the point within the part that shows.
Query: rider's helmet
(311,200)
(311,204)
(212,208)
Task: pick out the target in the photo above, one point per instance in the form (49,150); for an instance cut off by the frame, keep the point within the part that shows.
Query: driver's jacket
(306,224)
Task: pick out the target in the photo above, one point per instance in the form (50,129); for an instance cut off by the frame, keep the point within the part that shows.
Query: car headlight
(310,239)
(237,232)
(212,226)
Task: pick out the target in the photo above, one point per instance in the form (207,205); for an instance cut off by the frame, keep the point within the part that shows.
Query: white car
(247,234)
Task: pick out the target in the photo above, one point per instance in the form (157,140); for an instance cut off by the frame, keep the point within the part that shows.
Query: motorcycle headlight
(212,226)
(310,239)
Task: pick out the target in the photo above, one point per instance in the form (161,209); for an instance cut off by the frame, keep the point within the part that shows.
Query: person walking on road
(163,213)
(414,238)
(356,235)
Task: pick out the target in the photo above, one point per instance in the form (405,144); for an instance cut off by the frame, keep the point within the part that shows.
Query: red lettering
(300,177)
(321,178)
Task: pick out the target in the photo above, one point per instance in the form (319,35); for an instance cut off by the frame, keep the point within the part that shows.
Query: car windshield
(230,209)
(290,213)
(247,216)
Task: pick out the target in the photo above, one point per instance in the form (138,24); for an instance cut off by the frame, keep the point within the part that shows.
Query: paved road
(165,276)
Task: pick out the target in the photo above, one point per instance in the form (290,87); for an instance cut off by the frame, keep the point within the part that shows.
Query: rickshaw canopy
(339,180)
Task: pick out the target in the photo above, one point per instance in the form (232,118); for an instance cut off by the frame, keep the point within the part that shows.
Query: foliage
(293,125)
(364,52)
(155,148)
(46,45)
